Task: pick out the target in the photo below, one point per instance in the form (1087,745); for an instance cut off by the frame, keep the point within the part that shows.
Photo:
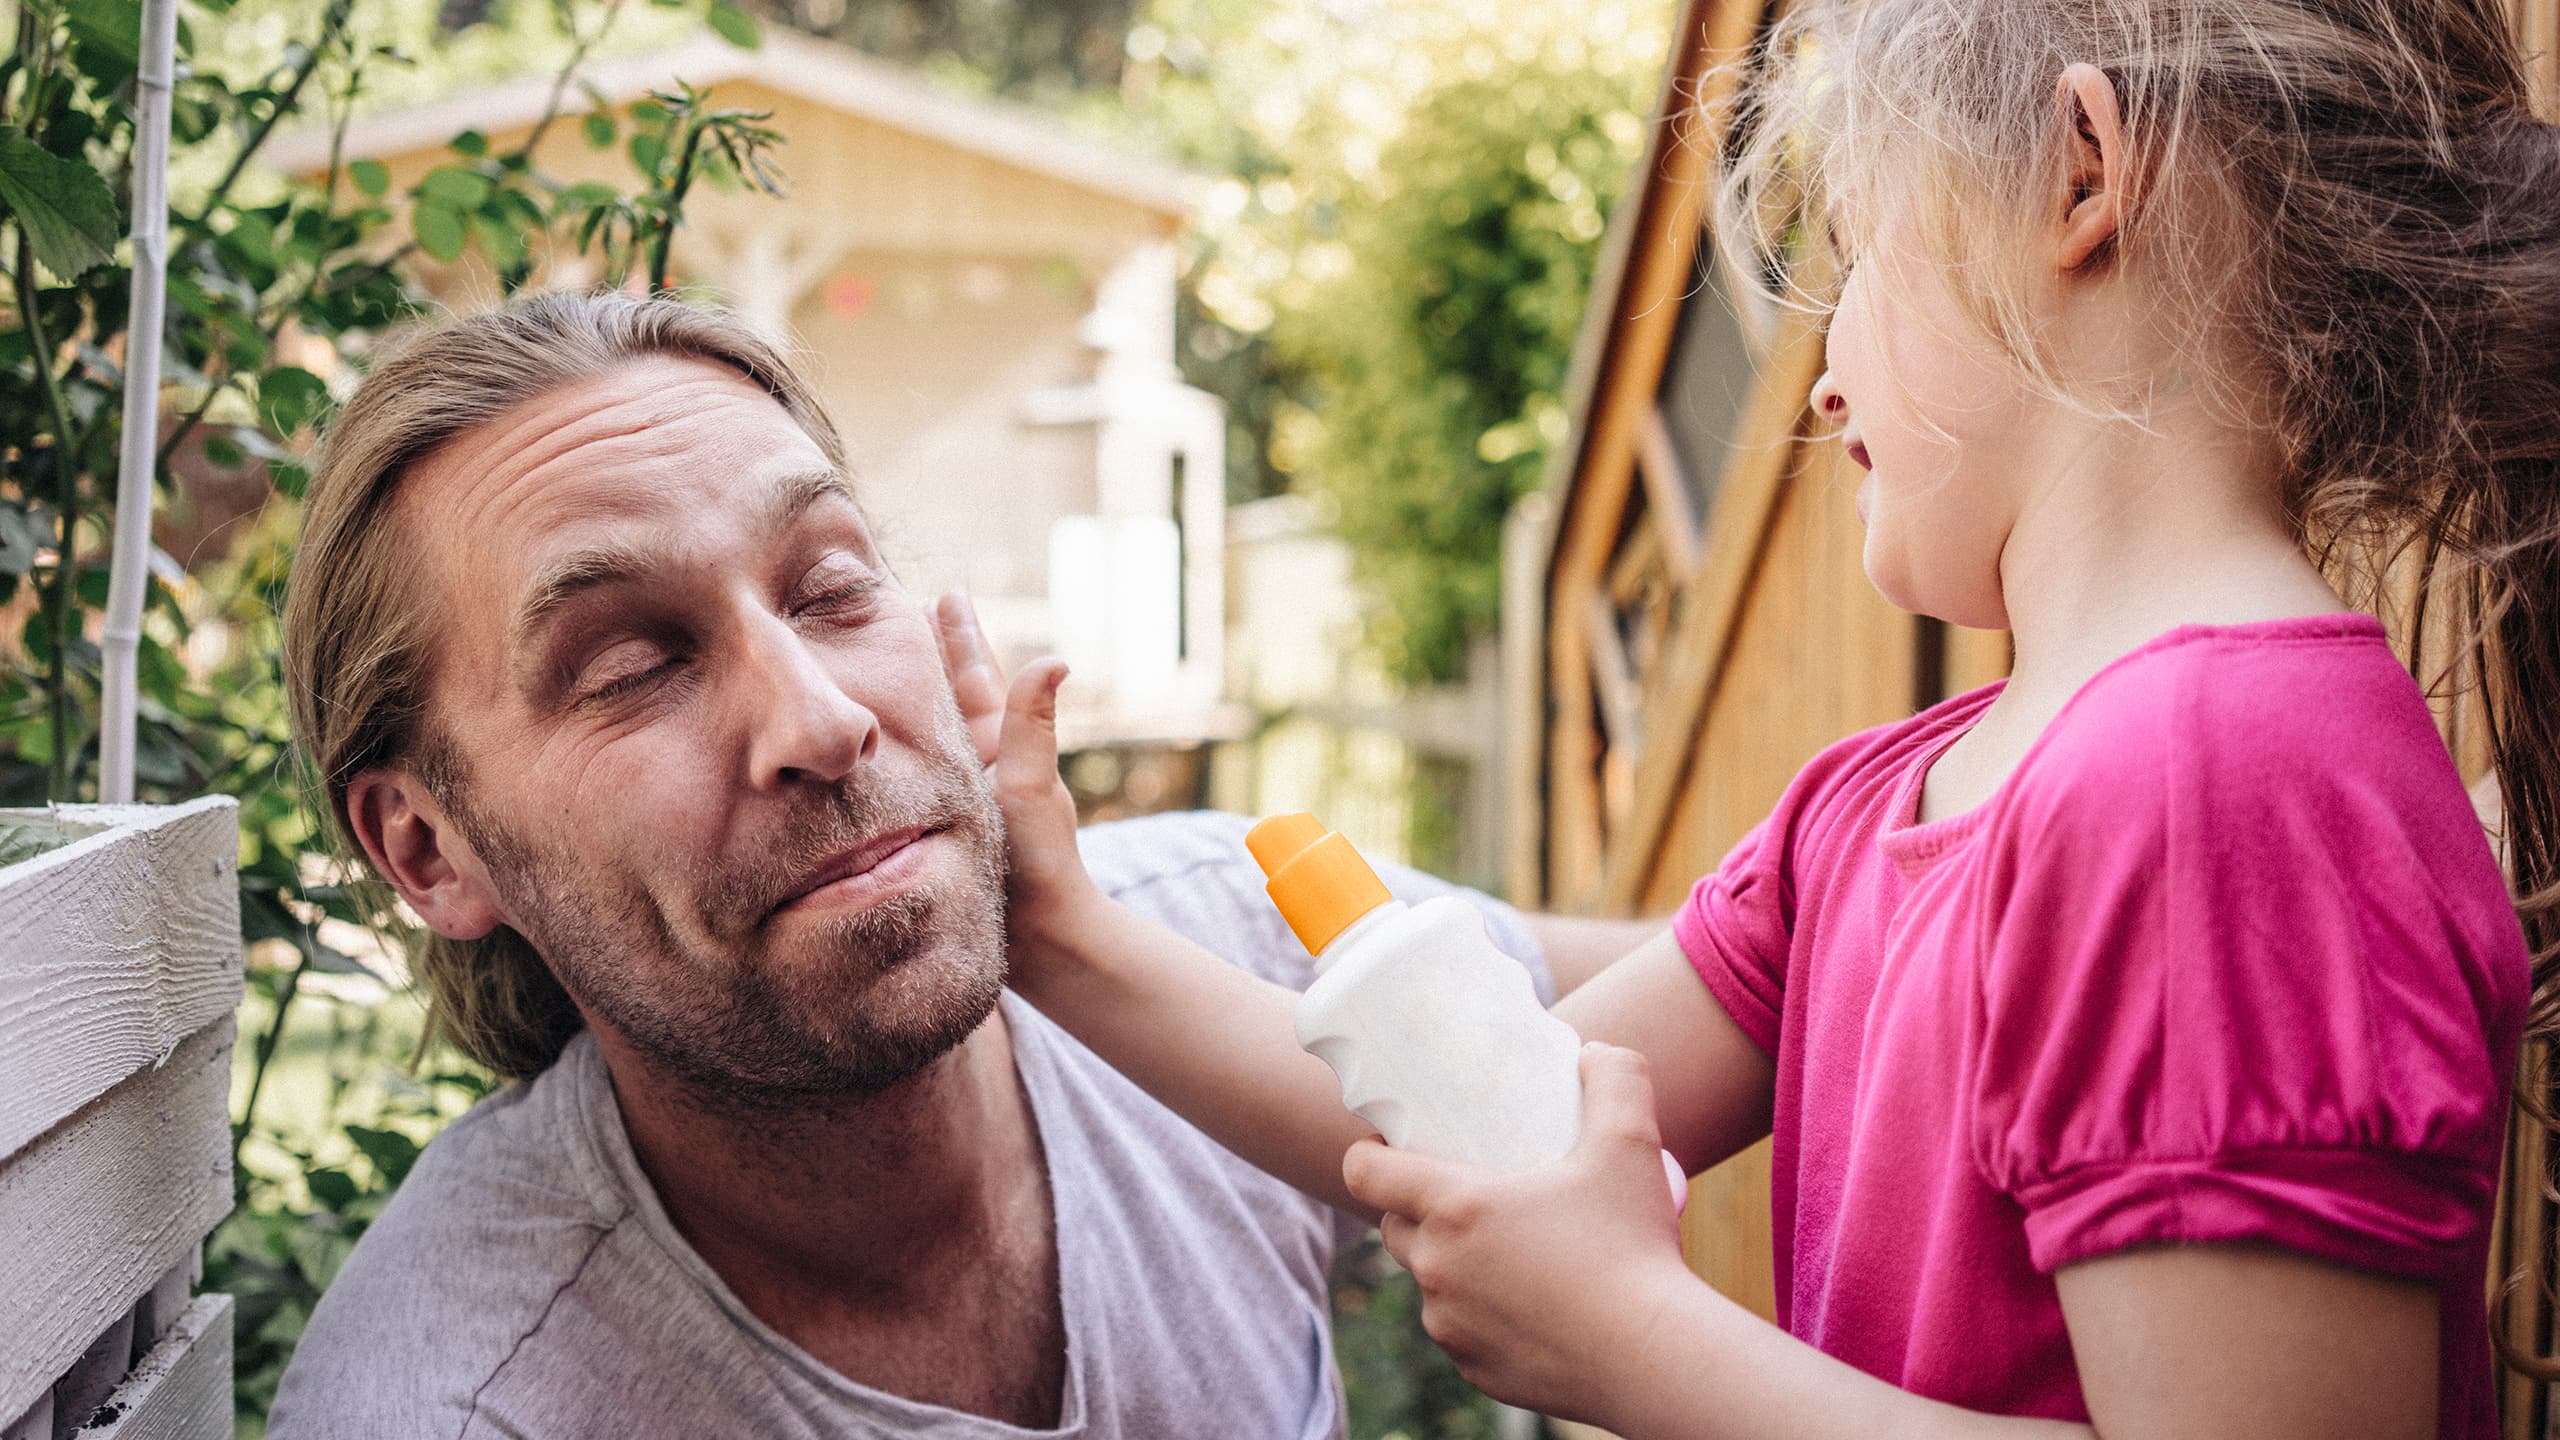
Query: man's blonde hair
(359,637)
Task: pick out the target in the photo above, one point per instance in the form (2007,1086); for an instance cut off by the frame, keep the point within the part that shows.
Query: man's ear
(2091,206)
(416,846)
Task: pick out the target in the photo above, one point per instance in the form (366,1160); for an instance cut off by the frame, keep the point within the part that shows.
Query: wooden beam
(1639,560)
(1575,836)
(1614,680)
(1666,491)
(1694,657)
(181,1388)
(1528,535)
(104,1203)
(1623,352)
(112,949)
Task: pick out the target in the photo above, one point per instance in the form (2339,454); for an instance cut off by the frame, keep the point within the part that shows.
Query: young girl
(2136,1035)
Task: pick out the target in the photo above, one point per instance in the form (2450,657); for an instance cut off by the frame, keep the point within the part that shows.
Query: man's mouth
(863,875)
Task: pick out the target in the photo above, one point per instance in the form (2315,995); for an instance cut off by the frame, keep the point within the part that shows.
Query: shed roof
(821,72)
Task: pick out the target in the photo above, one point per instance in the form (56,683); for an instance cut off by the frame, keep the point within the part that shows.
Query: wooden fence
(119,971)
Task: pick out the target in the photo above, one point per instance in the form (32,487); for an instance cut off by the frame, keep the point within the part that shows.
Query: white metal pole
(131,572)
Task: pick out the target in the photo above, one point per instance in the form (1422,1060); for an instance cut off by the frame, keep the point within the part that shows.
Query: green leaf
(439,231)
(648,152)
(455,188)
(600,130)
(734,25)
(371,176)
(502,245)
(471,143)
(332,1188)
(587,195)
(288,396)
(106,41)
(390,1151)
(69,214)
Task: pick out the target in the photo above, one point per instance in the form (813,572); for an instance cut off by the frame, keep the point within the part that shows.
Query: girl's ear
(2091,206)
(414,845)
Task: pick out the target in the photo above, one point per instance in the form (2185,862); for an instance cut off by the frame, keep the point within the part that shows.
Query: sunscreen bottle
(1437,1037)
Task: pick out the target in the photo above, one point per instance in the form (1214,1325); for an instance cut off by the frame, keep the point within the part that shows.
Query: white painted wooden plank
(98,1371)
(166,1299)
(113,949)
(181,1390)
(101,1205)
(36,1423)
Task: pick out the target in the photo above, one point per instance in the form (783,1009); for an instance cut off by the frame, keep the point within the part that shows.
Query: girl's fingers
(975,681)
(1397,1182)
(1026,762)
(1617,1099)
(1397,1234)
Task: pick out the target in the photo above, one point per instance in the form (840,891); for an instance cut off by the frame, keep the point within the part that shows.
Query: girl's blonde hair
(359,635)
(2352,214)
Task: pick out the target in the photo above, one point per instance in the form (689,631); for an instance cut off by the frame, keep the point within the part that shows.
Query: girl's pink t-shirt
(2226,960)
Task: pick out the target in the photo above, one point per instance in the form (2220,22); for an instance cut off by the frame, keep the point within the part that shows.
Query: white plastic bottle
(1437,1037)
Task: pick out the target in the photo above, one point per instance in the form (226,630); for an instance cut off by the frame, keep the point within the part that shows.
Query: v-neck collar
(608,1149)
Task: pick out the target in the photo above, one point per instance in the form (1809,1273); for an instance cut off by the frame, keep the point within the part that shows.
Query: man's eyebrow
(583,570)
(793,495)
(571,576)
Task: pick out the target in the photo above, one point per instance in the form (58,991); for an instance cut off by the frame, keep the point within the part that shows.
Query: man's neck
(850,1196)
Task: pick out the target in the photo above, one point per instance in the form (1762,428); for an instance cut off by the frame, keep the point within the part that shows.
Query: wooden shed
(1707,626)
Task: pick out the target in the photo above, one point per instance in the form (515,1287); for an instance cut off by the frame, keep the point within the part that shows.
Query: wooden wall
(119,970)
(1697,654)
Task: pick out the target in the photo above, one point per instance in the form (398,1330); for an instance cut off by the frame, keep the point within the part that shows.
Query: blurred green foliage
(1397,266)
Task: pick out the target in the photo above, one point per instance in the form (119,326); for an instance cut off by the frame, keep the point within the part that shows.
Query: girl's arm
(1218,1046)
(1562,1290)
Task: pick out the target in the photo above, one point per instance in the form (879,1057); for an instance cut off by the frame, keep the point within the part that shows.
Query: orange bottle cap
(1315,876)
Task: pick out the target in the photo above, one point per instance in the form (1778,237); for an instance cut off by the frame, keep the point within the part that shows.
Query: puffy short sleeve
(2244,984)
(1733,928)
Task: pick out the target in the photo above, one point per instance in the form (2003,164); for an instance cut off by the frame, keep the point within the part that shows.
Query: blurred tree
(1025,48)
(1400,259)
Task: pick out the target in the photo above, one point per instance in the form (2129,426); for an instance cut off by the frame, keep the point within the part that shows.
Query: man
(603,674)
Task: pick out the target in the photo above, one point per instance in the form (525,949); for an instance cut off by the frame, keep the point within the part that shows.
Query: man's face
(708,760)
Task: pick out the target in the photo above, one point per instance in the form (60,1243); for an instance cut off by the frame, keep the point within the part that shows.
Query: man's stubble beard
(866,1002)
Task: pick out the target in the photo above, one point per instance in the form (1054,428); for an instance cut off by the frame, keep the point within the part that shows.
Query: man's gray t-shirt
(525,1282)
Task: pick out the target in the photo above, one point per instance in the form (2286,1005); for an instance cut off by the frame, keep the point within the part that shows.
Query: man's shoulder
(1125,855)
(498,1218)
(1190,871)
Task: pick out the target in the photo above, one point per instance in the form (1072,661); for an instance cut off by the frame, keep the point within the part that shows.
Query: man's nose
(801,725)
(1828,402)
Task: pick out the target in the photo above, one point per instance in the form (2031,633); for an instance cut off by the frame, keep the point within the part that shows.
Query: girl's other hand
(1015,733)
(1543,1286)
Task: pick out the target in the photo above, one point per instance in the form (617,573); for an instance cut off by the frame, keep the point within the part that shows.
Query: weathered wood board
(181,1389)
(112,949)
(103,1204)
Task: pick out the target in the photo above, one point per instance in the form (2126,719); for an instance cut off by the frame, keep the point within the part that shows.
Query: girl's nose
(1828,402)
